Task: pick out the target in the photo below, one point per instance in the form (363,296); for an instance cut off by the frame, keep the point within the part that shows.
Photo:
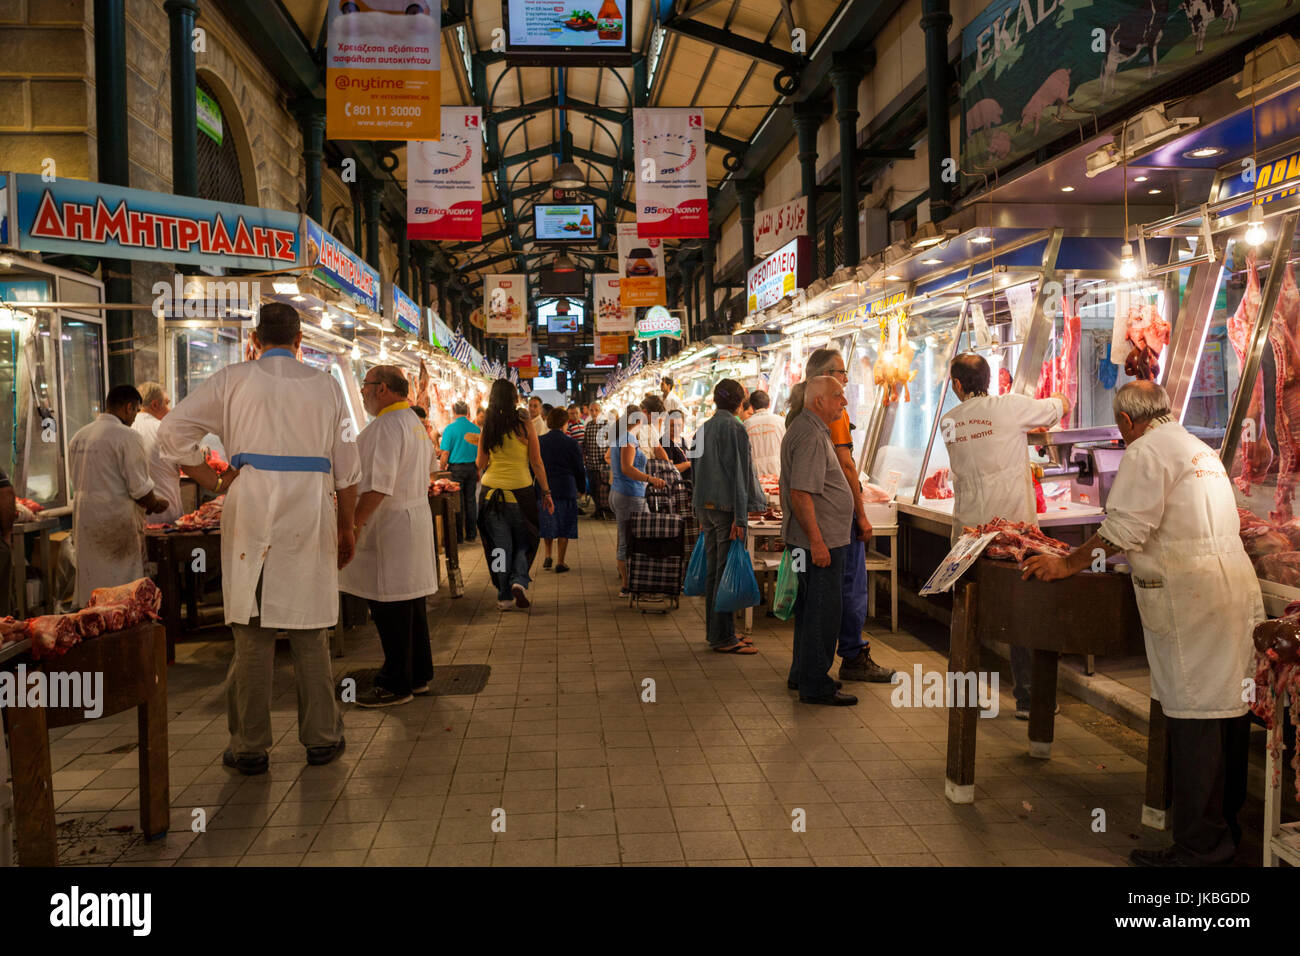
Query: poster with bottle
(641,269)
(611,316)
(671,175)
(505,298)
(382,71)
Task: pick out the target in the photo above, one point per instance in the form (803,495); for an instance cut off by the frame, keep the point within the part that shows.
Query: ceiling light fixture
(326,322)
(1127,265)
(1255,232)
(1067,189)
(1203,152)
(563,264)
(1139,179)
(356,350)
(568,176)
(931,262)
(981,240)
(1153,192)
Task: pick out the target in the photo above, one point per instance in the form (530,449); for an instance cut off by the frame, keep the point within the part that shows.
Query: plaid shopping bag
(655,561)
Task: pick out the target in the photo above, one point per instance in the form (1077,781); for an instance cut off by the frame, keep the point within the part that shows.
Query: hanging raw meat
(1277,673)
(1253,457)
(1060,374)
(1284,335)
(1148,334)
(1004,381)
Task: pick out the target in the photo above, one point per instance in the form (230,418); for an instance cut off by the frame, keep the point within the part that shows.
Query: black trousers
(1208,761)
(404,632)
(467,520)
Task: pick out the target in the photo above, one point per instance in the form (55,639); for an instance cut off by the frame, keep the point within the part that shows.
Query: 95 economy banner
(444,178)
(672,195)
(383,78)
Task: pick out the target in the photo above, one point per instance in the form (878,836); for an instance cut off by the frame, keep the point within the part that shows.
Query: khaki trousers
(248,689)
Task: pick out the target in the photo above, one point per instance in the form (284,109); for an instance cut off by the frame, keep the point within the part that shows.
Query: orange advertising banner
(611,344)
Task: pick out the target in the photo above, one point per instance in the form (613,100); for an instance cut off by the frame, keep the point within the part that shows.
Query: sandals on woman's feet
(738,648)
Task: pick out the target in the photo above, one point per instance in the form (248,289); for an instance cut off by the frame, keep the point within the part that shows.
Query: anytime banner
(611,317)
(383,78)
(1034,70)
(504,300)
(672,196)
(444,198)
(641,268)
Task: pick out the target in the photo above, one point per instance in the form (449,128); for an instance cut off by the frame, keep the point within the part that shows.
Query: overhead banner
(1034,71)
(95,219)
(403,311)
(444,178)
(659,322)
(780,274)
(672,195)
(504,299)
(611,345)
(519,351)
(439,332)
(611,317)
(641,269)
(340,268)
(382,80)
(776,226)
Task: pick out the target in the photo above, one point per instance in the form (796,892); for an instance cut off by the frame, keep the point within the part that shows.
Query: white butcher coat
(164,472)
(988,456)
(109,471)
(279,526)
(1173,512)
(765,433)
(394,559)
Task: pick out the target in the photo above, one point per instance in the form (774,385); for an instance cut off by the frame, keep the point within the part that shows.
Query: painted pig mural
(1055,91)
(987,112)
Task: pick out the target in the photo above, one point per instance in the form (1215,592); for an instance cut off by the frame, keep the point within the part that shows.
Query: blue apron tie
(281,462)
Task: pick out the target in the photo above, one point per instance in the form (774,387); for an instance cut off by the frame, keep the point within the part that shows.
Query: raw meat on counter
(1284,335)
(35,507)
(1253,457)
(1280,567)
(206,518)
(1277,673)
(12,629)
(443,486)
(141,597)
(1260,541)
(874,494)
(771,484)
(1016,539)
(52,634)
(1060,374)
(1148,333)
(936,487)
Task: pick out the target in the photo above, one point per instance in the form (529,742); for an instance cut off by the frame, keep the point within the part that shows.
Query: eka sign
(659,322)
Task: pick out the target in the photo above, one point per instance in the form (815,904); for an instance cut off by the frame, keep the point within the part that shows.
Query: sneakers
(378,696)
(505,605)
(250,765)
(837,699)
(561,568)
(863,668)
(521,595)
(546,565)
(319,756)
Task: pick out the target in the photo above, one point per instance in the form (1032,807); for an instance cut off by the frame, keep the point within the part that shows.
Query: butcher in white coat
(394,569)
(988,454)
(112,491)
(1172,511)
(166,476)
(292,449)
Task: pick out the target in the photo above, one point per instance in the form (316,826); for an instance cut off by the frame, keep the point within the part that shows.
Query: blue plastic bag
(697,571)
(738,588)
(1107,371)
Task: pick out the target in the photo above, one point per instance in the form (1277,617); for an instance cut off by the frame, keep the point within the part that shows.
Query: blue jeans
(816,624)
(854,590)
(716,527)
(625,506)
(509,534)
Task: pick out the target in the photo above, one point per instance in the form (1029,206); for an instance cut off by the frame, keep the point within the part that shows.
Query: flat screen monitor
(562,283)
(576,31)
(564,222)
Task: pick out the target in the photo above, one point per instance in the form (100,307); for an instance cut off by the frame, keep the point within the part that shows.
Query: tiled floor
(560,760)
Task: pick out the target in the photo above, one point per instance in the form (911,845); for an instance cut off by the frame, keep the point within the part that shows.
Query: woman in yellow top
(507,508)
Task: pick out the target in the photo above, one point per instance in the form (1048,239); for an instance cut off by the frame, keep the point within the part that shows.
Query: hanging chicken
(893,366)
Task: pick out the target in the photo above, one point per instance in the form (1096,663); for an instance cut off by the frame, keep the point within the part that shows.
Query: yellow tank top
(508,466)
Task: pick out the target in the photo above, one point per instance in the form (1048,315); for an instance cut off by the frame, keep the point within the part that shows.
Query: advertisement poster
(444,179)
(519,351)
(641,269)
(611,345)
(404,311)
(659,323)
(1035,71)
(564,223)
(383,79)
(604,361)
(339,268)
(611,316)
(776,226)
(504,299)
(782,273)
(671,177)
(543,23)
(95,219)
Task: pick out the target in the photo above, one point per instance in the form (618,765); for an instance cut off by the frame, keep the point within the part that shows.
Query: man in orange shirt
(854,648)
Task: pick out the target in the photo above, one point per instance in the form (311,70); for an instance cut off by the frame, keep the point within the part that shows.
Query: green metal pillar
(311,117)
(114,168)
(370,195)
(181,15)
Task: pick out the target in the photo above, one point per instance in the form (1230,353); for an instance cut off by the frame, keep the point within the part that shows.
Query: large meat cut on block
(1281,567)
(1016,539)
(141,597)
(52,634)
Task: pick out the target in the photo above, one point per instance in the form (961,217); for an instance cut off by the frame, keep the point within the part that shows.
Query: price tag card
(961,557)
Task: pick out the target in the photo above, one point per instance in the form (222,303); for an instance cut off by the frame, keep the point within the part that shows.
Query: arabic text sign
(504,300)
(383,78)
(776,226)
(671,186)
(95,219)
(444,198)
(339,267)
(781,273)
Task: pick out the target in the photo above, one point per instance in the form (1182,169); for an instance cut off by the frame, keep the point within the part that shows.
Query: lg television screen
(598,32)
(562,283)
(564,222)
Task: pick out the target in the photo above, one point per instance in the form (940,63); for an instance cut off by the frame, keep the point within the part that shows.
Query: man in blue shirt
(457,455)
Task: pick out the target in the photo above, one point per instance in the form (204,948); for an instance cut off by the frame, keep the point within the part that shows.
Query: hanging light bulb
(326,322)
(383,351)
(1255,233)
(356,350)
(1127,266)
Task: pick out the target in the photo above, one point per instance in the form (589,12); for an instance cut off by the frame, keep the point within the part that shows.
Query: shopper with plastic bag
(726,490)
(818,506)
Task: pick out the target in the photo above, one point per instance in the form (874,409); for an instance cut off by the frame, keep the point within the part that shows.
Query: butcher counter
(184,560)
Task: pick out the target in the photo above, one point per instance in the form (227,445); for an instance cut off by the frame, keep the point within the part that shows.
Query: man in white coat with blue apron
(293,448)
(393,569)
(1173,512)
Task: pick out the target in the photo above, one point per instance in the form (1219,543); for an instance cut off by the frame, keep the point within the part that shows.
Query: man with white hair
(165,473)
(1173,512)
